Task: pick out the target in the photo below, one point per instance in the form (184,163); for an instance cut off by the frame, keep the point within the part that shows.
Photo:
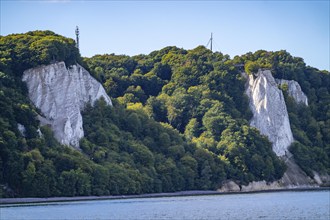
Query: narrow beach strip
(20,201)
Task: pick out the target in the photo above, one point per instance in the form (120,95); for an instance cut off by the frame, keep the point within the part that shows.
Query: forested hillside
(179,121)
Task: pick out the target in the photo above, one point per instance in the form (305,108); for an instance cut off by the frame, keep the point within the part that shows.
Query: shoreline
(5,202)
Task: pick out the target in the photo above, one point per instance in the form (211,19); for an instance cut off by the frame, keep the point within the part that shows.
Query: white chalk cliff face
(294,90)
(61,93)
(271,118)
(270,115)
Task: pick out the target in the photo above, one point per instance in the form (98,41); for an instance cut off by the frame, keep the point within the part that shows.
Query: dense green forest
(179,121)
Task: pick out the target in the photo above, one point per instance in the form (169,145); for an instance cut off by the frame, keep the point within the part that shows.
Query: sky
(140,27)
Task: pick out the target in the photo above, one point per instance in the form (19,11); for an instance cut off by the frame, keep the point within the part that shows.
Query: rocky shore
(20,201)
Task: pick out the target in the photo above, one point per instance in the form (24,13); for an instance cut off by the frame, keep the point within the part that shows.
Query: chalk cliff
(61,93)
(270,115)
(294,90)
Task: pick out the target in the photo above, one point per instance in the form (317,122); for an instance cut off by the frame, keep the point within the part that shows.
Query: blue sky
(140,27)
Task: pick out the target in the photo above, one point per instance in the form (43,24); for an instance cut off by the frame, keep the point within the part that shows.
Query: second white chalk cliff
(61,94)
(269,110)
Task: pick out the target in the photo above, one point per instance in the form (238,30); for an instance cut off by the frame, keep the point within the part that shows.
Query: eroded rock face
(21,129)
(295,176)
(260,186)
(269,110)
(271,118)
(294,90)
(229,186)
(61,93)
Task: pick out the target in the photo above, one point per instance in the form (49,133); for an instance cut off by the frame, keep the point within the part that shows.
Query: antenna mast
(77,37)
(211,40)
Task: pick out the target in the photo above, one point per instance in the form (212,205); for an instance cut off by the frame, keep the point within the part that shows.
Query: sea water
(274,205)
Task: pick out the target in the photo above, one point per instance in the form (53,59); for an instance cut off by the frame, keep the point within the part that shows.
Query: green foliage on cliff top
(179,122)
(19,52)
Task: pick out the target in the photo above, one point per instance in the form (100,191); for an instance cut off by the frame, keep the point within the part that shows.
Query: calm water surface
(275,205)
